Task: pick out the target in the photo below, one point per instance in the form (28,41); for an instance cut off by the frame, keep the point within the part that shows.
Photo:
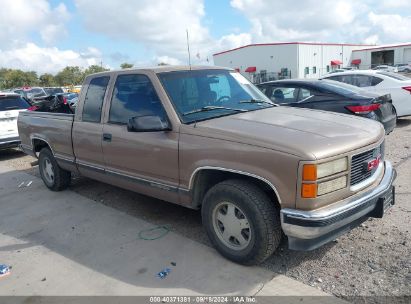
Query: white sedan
(397,85)
(10,106)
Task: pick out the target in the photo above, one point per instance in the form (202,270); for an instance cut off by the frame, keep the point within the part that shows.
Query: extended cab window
(93,102)
(134,95)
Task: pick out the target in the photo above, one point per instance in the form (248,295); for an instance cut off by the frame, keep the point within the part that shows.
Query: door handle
(106,137)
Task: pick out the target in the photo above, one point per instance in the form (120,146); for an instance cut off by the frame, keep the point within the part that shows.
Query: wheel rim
(231,226)
(48,172)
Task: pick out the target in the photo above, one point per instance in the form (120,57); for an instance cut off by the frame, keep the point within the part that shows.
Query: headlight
(312,173)
(332,185)
(332,167)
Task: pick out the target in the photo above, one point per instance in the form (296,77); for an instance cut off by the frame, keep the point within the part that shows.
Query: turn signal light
(310,172)
(309,190)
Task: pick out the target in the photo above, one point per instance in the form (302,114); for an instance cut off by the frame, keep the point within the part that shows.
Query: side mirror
(149,123)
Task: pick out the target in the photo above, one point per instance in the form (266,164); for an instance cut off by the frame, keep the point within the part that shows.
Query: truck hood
(306,133)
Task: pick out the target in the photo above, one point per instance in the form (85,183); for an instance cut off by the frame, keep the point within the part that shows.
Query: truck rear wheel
(241,221)
(53,176)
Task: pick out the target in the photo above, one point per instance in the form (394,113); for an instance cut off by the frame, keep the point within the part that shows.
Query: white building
(370,57)
(269,61)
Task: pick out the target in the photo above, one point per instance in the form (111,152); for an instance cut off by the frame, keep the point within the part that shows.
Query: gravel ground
(364,266)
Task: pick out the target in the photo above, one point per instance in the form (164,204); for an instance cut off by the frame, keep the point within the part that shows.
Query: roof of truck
(167,68)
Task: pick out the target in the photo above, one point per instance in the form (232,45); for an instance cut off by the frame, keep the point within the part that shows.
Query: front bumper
(308,230)
(9,142)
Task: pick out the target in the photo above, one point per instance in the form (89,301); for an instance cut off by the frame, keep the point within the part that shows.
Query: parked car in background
(71,99)
(10,106)
(30,93)
(387,68)
(332,96)
(381,82)
(53,90)
(74,89)
(403,67)
(343,70)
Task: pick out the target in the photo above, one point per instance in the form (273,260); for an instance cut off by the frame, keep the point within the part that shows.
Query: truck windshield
(195,93)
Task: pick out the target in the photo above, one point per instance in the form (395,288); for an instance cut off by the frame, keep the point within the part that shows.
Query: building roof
(286,43)
(375,47)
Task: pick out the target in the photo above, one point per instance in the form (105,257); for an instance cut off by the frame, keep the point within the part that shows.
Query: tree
(162,63)
(47,80)
(70,75)
(3,73)
(126,65)
(94,69)
(19,78)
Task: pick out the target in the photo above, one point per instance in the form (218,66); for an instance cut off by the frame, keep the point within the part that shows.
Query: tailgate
(8,123)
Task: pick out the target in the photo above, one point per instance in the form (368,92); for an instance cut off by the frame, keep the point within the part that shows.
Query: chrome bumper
(308,230)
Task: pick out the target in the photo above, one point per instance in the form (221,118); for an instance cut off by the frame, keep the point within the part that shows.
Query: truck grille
(358,173)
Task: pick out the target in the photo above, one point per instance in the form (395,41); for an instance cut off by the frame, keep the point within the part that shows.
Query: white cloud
(167,60)
(393,27)
(234,40)
(274,20)
(373,39)
(46,60)
(159,25)
(335,21)
(18,18)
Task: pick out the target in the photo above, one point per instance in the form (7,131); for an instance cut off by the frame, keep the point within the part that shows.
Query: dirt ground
(364,266)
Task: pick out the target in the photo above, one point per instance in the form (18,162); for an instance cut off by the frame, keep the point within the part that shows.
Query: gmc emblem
(372,164)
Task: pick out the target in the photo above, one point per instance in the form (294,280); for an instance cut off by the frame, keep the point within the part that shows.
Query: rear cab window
(93,102)
(134,96)
(8,103)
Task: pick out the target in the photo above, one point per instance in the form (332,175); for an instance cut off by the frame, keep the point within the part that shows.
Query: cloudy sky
(46,36)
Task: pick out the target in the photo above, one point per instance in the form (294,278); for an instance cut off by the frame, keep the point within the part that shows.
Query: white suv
(10,106)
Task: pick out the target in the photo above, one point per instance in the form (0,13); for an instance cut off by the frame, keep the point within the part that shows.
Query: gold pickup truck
(206,138)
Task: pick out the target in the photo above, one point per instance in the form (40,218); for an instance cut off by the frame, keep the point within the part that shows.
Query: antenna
(188,49)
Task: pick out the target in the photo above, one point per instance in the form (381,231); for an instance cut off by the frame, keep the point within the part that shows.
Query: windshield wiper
(211,108)
(12,108)
(252,100)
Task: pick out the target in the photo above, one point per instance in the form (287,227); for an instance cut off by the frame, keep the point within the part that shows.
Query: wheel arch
(40,143)
(204,178)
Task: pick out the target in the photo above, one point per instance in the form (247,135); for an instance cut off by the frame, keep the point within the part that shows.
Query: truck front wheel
(241,221)
(53,176)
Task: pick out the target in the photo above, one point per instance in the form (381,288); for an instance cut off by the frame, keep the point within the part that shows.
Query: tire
(55,178)
(251,243)
(395,112)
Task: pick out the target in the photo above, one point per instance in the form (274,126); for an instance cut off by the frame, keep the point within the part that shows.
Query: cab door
(146,162)
(88,129)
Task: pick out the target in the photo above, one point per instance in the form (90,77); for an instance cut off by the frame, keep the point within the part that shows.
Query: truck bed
(52,128)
